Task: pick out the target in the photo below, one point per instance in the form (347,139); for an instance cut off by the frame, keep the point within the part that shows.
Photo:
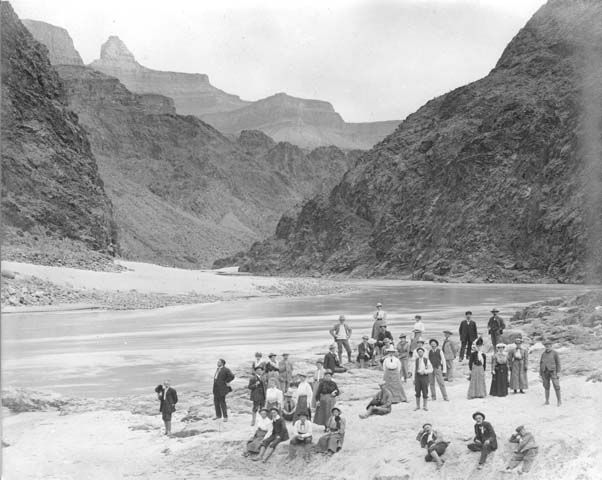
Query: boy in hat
(450,350)
(285,372)
(364,352)
(468,334)
(526,451)
(434,444)
(279,434)
(496,327)
(439,364)
(341,333)
(403,352)
(257,388)
(549,368)
(422,369)
(485,440)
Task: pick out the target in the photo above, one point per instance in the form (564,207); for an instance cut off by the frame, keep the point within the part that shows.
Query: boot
(417,404)
(268,453)
(165,422)
(547,392)
(259,455)
(558,399)
(168,428)
(424,402)
(254,415)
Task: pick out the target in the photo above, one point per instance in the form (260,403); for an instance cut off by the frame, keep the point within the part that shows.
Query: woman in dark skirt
(327,397)
(499,369)
(263,430)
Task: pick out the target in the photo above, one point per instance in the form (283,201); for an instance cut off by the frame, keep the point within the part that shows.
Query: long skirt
(499,381)
(323,411)
(330,442)
(393,381)
(254,443)
(518,376)
(477,387)
(302,407)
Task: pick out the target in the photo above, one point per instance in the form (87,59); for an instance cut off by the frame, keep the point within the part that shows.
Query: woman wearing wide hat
(499,371)
(392,375)
(477,362)
(332,441)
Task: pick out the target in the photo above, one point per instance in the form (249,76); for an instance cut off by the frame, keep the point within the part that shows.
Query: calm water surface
(114,353)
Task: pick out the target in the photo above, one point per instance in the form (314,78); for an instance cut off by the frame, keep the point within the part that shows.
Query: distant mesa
(61,50)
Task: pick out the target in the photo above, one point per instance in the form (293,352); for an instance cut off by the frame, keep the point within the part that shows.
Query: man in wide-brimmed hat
(422,369)
(450,350)
(403,353)
(439,364)
(341,333)
(549,369)
(257,388)
(468,334)
(485,440)
(496,327)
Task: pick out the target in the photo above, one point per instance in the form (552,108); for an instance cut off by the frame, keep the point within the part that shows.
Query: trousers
(484,448)
(437,375)
(465,348)
(527,457)
(221,409)
(340,345)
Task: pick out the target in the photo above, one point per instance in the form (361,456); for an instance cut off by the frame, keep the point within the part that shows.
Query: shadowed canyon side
(51,188)
(183,193)
(498,180)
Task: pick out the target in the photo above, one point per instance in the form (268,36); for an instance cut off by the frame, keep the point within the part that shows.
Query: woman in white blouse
(392,375)
(263,430)
(303,397)
(273,396)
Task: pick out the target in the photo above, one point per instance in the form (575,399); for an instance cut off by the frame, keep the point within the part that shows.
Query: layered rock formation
(499,180)
(61,50)
(307,123)
(183,193)
(50,181)
(191,92)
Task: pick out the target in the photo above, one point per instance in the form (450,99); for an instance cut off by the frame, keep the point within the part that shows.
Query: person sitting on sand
(301,438)
(332,441)
(331,361)
(380,318)
(485,440)
(381,403)
(273,396)
(434,444)
(168,398)
(526,451)
(364,352)
(326,395)
(264,428)
(302,397)
(288,407)
(279,434)
(257,392)
(422,370)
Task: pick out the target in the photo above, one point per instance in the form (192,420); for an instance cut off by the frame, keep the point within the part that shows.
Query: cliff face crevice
(498,180)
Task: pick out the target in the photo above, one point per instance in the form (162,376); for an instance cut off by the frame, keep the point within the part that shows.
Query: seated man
(434,444)
(331,361)
(381,403)
(302,437)
(279,434)
(526,452)
(485,440)
(364,352)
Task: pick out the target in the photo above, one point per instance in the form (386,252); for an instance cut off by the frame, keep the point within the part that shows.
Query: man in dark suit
(331,361)
(496,327)
(257,388)
(221,380)
(468,334)
(485,440)
(168,398)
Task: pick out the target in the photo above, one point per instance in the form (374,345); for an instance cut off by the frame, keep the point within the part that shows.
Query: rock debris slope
(499,180)
(50,182)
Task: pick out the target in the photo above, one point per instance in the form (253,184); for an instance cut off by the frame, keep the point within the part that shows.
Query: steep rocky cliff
(183,193)
(499,180)
(50,181)
(191,92)
(58,41)
(307,123)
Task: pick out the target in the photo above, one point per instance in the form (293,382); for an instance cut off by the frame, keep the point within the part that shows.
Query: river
(114,353)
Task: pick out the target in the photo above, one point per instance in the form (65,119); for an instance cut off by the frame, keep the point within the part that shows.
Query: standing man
(380,318)
(364,352)
(403,352)
(341,332)
(257,388)
(450,350)
(285,373)
(549,368)
(422,369)
(221,387)
(468,334)
(168,398)
(437,360)
(485,440)
(496,327)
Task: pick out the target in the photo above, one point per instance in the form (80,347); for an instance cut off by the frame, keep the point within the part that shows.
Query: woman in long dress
(499,370)
(332,442)
(327,398)
(273,396)
(263,430)
(477,363)
(518,360)
(303,396)
(392,375)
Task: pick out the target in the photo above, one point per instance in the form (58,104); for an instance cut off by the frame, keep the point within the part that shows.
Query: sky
(372,59)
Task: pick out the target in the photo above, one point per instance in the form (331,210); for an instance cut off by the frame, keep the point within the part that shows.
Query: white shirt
(165,393)
(274,394)
(318,375)
(265,424)
(302,431)
(380,315)
(342,335)
(419,326)
(304,388)
(391,363)
(421,368)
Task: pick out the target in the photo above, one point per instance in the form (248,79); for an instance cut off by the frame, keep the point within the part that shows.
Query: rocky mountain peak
(115,51)
(61,50)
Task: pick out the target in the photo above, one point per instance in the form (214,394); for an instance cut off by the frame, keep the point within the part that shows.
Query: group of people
(279,395)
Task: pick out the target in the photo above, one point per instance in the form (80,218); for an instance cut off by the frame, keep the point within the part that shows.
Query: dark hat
(420,348)
(285,354)
(403,335)
(263,410)
(447,332)
(519,428)
(434,340)
(495,310)
(258,354)
(468,313)
(259,367)
(430,424)
(271,355)
(274,409)
(379,304)
(418,317)
(478,413)
(479,341)
(335,408)
(548,342)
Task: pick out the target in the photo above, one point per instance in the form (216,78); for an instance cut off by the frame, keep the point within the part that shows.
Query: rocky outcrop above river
(51,187)
(61,50)
(499,180)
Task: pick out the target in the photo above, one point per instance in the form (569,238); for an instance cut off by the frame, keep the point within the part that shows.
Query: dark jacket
(488,434)
(475,359)
(171,398)
(220,386)
(380,340)
(279,429)
(257,388)
(496,325)
(331,361)
(468,332)
(327,387)
(364,351)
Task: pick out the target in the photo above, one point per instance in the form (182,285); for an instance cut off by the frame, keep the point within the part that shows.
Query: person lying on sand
(526,451)
(381,403)
(434,444)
